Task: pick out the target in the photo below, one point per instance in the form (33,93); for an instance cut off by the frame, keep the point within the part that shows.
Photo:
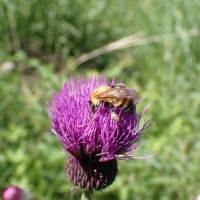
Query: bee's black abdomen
(130,108)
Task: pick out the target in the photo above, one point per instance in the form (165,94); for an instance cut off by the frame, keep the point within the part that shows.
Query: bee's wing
(119,93)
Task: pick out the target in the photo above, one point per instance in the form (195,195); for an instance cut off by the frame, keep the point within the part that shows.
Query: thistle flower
(16,193)
(94,141)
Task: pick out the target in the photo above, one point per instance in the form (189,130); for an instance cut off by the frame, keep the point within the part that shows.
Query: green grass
(43,39)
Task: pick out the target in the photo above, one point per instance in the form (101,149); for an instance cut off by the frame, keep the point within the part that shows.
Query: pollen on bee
(114,116)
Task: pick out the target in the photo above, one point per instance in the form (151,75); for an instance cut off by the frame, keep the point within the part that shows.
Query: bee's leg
(112,108)
(99,103)
(115,116)
(92,106)
(90,103)
(95,107)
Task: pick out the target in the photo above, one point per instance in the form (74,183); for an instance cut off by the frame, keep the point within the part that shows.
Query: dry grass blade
(119,44)
(134,40)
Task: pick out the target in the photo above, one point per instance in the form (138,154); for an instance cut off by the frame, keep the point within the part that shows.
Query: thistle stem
(87,195)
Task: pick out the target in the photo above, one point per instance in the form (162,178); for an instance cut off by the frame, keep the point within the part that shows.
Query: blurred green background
(41,43)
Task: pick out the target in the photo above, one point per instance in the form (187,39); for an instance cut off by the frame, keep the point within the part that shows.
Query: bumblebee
(113,96)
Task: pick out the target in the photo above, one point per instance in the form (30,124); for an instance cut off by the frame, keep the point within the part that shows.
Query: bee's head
(92,106)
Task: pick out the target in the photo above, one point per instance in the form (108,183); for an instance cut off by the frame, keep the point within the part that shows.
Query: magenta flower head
(95,141)
(16,193)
